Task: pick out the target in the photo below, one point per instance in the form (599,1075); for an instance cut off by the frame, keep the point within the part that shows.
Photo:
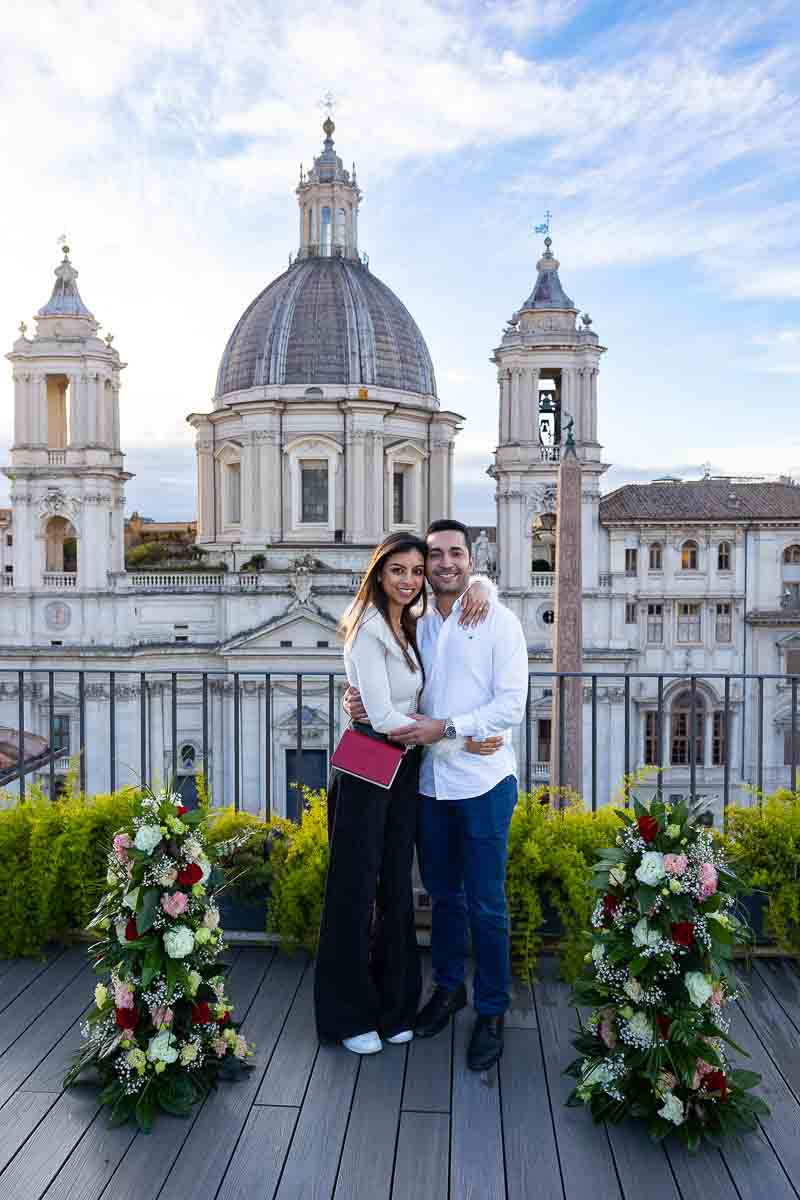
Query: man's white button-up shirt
(477,677)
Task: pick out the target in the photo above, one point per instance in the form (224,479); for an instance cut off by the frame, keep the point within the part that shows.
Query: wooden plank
(203,1158)
(50,1072)
(46,988)
(522,1013)
(290,1067)
(783,980)
(313,1160)
(365,1171)
(423,1147)
(778,1037)
(642,1166)
(47,1149)
(700,1176)
(257,1163)
(21,1059)
(531,1155)
(587,1164)
(149,1160)
(429,1066)
(476,1159)
(22,972)
(18,1121)
(780,1129)
(93,1161)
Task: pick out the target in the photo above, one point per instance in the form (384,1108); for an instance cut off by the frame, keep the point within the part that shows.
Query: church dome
(327,320)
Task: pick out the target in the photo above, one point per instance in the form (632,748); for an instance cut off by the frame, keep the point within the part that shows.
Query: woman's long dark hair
(371,592)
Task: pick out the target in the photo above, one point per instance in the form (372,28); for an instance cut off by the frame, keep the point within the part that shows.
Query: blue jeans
(463,849)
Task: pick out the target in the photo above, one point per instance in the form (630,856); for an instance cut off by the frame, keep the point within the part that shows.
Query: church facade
(326,432)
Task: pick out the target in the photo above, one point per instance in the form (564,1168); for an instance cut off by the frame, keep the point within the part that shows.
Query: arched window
(792,555)
(233,493)
(61,546)
(724,556)
(656,557)
(325,230)
(689,556)
(680,725)
(341,227)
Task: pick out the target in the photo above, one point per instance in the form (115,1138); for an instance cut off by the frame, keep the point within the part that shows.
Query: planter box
(755,905)
(242,916)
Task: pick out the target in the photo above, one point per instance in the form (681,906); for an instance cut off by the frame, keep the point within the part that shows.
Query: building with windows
(325,432)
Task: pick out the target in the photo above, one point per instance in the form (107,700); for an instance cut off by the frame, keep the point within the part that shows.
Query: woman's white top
(375,665)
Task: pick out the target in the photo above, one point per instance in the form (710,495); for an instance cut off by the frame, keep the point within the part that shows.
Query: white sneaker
(405,1035)
(363,1043)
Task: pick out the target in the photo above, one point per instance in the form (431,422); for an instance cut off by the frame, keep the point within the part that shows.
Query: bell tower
(547,368)
(67,475)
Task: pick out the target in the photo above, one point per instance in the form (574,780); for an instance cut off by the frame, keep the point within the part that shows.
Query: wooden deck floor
(410,1123)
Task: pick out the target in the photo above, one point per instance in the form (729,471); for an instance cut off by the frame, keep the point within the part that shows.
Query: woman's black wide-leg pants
(367,971)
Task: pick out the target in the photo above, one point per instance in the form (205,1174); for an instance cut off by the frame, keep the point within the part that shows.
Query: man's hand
(424,732)
(489,745)
(351,703)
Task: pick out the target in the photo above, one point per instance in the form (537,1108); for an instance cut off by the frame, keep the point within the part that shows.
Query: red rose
(664,1023)
(201,1014)
(648,828)
(683,933)
(127,1018)
(190,875)
(225,1019)
(180,809)
(715,1081)
(131,932)
(610,906)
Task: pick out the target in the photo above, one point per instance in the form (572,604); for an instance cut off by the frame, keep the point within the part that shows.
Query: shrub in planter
(298,862)
(764,846)
(243,904)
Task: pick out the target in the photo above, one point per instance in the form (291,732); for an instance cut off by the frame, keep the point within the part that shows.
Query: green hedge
(52,868)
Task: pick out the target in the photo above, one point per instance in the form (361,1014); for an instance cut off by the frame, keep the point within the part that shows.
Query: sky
(164,139)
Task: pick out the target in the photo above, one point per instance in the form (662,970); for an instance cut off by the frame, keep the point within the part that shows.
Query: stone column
(593,372)
(355,508)
(205,489)
(501,405)
(375,482)
(567,746)
(438,468)
(269,458)
(115,433)
(248,528)
(532,434)
(20,407)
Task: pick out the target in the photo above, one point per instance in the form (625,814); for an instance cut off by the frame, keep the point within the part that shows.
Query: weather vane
(62,242)
(327,102)
(545,228)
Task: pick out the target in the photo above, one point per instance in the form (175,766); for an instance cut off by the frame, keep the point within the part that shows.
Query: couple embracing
(448,680)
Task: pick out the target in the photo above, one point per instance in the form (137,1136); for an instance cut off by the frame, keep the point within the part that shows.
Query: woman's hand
(489,745)
(476,603)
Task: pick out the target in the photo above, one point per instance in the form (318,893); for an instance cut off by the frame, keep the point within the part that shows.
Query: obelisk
(566,765)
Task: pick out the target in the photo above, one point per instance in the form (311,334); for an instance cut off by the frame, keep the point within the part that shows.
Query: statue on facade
(481,553)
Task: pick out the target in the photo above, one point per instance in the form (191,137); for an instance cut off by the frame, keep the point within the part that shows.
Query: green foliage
(147,552)
(249,872)
(764,845)
(298,864)
(53,865)
(551,852)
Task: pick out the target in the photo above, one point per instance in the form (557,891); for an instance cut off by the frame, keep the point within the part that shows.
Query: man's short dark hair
(445,523)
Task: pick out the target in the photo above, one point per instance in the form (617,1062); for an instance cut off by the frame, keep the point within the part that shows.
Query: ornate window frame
(410,457)
(313,446)
(229,455)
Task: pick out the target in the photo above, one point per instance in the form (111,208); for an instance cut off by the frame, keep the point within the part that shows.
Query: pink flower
(606,1028)
(175,904)
(708,880)
(161,1016)
(121,845)
(211,918)
(701,1070)
(716,997)
(220,1047)
(123,996)
(675,864)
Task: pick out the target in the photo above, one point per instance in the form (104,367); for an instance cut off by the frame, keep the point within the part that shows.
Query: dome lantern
(328,197)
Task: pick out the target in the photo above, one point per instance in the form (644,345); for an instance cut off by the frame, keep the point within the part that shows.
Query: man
(476,682)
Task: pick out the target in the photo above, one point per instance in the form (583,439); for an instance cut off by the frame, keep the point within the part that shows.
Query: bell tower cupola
(328,197)
(66,471)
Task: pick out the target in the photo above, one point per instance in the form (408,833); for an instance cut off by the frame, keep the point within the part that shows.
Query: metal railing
(257,734)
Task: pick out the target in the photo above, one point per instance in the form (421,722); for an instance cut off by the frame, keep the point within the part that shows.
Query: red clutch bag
(368,756)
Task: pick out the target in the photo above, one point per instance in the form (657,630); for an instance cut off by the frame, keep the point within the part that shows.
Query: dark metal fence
(726,732)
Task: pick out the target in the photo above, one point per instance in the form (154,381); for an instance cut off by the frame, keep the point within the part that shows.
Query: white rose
(188,1053)
(643,935)
(147,838)
(672,1109)
(651,870)
(193,982)
(617,875)
(179,941)
(633,989)
(205,866)
(641,1027)
(162,1048)
(672,830)
(699,987)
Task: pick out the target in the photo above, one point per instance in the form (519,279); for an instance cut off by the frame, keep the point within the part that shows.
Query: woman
(367,981)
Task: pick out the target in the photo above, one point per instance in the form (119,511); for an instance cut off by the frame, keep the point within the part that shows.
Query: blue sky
(165,140)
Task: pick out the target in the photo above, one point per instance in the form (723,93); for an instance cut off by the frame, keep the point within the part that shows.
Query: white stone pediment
(303,628)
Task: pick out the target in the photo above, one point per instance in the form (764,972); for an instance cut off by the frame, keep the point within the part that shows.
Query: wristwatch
(449,728)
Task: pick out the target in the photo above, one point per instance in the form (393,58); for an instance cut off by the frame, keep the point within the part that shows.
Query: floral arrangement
(659,980)
(160,1032)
